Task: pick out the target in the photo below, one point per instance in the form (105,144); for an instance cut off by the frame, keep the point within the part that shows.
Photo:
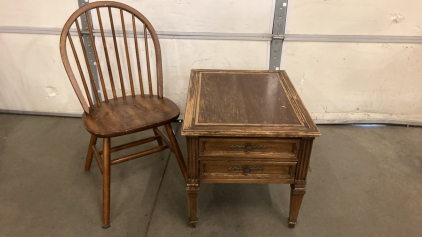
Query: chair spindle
(94,88)
(94,48)
(129,70)
(137,56)
(110,74)
(80,70)
(148,64)
(122,84)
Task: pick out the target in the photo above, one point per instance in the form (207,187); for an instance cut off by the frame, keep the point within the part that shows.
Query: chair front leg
(176,150)
(106,183)
(88,161)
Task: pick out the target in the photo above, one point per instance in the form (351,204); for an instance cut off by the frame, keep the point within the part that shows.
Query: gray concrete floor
(363,181)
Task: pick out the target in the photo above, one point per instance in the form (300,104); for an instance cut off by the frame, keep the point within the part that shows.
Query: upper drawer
(249,147)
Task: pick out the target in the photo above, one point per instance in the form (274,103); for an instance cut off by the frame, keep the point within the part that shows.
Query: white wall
(337,81)
(354,17)
(32,77)
(46,13)
(222,16)
(356,81)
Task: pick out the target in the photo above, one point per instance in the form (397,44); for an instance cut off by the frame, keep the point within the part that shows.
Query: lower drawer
(233,171)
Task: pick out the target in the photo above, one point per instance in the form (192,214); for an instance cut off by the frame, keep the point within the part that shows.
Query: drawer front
(233,171)
(249,147)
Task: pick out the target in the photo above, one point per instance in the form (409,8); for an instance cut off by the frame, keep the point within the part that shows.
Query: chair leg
(176,150)
(88,161)
(106,183)
(160,142)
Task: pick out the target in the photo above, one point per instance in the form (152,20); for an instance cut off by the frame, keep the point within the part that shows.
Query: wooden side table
(246,127)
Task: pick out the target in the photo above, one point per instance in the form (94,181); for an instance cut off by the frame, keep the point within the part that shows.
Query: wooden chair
(119,115)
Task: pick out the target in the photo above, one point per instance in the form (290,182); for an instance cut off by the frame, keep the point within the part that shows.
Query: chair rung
(139,154)
(132,144)
(164,138)
(98,158)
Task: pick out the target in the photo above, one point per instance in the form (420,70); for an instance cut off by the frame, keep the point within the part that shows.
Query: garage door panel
(357,78)
(247,16)
(355,17)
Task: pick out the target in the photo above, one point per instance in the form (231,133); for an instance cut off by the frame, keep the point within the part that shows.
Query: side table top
(245,103)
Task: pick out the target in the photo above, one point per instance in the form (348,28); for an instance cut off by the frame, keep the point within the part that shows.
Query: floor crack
(159,187)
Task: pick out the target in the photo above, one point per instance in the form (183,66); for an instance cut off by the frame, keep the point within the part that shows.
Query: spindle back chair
(119,115)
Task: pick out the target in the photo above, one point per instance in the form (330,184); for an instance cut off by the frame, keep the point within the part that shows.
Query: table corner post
(192,187)
(298,188)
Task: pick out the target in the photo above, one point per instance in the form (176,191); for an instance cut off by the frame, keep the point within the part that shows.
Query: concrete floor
(363,181)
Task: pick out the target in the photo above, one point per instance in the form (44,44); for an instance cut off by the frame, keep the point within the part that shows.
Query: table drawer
(249,147)
(233,171)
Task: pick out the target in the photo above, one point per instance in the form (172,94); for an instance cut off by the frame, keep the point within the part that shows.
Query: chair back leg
(176,150)
(88,161)
(159,141)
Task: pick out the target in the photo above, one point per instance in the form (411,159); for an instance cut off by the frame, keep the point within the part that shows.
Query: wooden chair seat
(129,115)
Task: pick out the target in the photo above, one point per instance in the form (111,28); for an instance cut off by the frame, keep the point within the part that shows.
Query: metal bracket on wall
(279,25)
(88,47)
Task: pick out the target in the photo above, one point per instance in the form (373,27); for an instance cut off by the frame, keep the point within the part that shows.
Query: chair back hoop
(66,36)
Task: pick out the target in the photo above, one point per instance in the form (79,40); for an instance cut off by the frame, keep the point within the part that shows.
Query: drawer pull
(247,169)
(248,148)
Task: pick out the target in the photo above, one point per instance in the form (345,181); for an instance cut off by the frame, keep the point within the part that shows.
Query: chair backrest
(67,33)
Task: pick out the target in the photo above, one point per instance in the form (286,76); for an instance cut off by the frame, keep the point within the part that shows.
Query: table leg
(192,179)
(298,187)
(296,195)
(193,204)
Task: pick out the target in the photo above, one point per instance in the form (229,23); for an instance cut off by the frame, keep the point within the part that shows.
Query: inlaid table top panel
(238,103)
(246,98)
